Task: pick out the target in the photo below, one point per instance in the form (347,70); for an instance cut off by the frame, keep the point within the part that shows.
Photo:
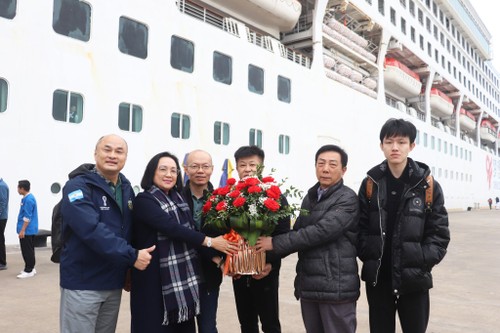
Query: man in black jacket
(400,238)
(327,281)
(199,169)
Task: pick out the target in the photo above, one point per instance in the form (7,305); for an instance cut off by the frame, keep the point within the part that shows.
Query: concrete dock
(465,297)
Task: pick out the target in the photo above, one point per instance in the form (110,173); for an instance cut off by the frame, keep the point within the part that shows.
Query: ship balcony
(400,80)
(441,105)
(467,120)
(487,131)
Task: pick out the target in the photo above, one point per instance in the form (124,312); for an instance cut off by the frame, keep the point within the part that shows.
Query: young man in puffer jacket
(400,239)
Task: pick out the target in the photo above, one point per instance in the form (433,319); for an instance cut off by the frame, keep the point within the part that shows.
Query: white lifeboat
(273,16)
(487,131)
(401,80)
(441,105)
(467,120)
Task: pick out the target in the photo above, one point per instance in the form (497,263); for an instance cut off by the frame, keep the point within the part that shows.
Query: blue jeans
(207,319)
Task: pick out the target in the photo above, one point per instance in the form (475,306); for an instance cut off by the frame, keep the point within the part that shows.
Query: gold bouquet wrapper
(246,261)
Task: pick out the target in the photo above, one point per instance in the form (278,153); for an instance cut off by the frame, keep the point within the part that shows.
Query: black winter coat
(325,238)
(419,238)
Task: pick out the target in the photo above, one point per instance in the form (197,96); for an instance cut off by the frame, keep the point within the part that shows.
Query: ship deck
(465,297)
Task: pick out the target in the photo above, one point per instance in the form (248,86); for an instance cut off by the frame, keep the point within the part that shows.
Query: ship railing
(200,12)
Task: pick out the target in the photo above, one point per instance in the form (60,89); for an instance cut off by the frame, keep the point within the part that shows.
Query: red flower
(241,186)
(238,202)
(254,189)
(268,179)
(207,206)
(251,181)
(272,205)
(231,181)
(221,206)
(234,194)
(223,190)
(215,192)
(273,192)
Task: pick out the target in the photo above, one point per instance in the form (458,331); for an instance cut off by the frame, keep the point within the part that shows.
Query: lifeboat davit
(467,120)
(487,131)
(401,80)
(441,105)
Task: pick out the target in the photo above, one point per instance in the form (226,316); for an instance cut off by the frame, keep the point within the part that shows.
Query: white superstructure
(287,75)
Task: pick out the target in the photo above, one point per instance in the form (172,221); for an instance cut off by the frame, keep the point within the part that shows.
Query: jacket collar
(417,171)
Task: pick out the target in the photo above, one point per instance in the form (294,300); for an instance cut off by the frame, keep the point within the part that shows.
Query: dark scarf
(179,270)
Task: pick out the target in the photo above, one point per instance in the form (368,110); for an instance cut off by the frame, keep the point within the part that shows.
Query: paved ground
(465,298)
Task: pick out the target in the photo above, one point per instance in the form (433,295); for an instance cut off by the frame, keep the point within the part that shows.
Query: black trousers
(28,250)
(3,256)
(413,309)
(257,299)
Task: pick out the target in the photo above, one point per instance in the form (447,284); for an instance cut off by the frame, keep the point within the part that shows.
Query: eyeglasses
(167,171)
(196,167)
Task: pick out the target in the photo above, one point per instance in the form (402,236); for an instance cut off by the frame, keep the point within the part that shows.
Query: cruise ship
(286,75)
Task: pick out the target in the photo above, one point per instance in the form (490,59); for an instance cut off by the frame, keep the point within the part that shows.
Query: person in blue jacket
(27,228)
(96,254)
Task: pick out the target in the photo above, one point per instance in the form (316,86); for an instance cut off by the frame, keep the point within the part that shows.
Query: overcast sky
(489,11)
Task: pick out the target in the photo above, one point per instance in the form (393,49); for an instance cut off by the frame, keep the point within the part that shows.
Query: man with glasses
(97,216)
(199,169)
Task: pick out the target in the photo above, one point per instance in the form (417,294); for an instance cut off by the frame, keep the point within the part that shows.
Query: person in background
(400,239)
(4,213)
(327,281)
(199,169)
(27,228)
(256,296)
(490,202)
(165,297)
(97,216)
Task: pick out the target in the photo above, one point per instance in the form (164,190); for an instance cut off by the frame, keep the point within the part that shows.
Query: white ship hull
(35,62)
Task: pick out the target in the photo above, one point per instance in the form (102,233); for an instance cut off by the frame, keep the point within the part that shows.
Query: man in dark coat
(327,281)
(199,168)
(401,239)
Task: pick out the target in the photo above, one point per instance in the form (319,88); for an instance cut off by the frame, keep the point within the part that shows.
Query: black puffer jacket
(325,238)
(419,239)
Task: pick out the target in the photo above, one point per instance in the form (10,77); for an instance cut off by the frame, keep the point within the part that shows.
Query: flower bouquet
(247,209)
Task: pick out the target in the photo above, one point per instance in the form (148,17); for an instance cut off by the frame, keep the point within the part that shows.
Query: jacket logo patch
(104,203)
(130,206)
(417,202)
(75,195)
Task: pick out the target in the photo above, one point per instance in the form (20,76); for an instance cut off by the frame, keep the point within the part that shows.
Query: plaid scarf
(179,266)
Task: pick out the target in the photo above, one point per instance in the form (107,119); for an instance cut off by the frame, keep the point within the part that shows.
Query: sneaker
(3,267)
(33,271)
(25,275)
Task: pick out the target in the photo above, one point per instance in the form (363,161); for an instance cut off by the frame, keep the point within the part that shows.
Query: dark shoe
(3,267)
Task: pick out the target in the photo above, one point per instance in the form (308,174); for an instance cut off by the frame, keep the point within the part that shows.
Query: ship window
(433,142)
(393,16)
(72,18)
(221,133)
(223,68)
(8,8)
(429,49)
(428,24)
(255,79)
(403,26)
(67,109)
(284,144)
(4,94)
(439,144)
(412,8)
(284,89)
(133,38)
(412,34)
(425,139)
(403,3)
(130,114)
(420,16)
(180,126)
(182,54)
(255,137)
(417,138)
(421,39)
(381,6)
(55,188)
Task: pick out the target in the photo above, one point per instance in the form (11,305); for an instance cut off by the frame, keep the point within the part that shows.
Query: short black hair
(149,173)
(398,127)
(247,151)
(24,184)
(334,148)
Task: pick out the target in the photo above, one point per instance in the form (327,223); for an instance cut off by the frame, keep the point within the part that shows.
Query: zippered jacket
(96,254)
(420,237)
(325,238)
